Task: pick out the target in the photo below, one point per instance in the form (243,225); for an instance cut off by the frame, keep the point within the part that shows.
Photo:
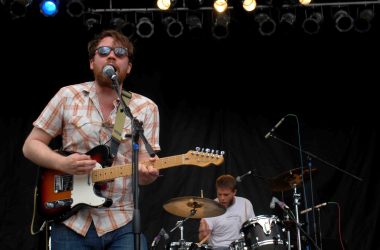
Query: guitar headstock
(204,157)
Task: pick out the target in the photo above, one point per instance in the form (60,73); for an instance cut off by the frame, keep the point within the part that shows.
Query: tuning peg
(222,153)
(197,149)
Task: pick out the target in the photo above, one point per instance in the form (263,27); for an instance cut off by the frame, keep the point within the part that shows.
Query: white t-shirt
(226,227)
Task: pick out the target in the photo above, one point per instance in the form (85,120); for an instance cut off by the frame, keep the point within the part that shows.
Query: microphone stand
(299,227)
(316,157)
(137,132)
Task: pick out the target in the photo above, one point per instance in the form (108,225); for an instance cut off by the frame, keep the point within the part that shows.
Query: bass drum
(264,232)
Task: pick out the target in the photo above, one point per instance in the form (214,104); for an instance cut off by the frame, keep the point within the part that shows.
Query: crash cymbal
(203,207)
(289,179)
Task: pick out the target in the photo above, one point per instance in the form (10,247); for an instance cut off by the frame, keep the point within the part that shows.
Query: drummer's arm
(204,231)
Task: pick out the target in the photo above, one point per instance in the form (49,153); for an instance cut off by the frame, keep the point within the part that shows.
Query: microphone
(275,126)
(157,239)
(239,178)
(275,201)
(315,207)
(110,72)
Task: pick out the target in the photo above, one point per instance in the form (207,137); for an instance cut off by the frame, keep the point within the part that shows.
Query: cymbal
(203,207)
(289,179)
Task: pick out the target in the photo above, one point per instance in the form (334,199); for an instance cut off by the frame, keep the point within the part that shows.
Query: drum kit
(263,232)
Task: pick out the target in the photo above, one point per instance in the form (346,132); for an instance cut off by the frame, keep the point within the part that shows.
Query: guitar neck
(110,173)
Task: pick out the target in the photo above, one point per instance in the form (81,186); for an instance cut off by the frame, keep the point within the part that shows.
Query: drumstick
(203,240)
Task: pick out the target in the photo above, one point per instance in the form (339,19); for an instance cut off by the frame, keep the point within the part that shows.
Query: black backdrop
(223,95)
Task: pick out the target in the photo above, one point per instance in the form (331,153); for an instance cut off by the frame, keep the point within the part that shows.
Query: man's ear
(129,68)
(91,64)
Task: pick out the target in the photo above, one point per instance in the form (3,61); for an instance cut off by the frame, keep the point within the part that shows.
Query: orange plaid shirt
(74,113)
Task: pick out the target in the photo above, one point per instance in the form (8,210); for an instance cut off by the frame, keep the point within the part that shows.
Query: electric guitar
(60,195)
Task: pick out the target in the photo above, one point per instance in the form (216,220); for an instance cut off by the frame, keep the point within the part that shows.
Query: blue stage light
(49,7)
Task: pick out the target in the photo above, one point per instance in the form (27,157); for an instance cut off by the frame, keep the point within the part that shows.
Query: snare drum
(264,232)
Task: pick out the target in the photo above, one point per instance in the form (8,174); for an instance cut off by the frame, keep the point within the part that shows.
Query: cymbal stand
(180,226)
(288,232)
(297,197)
(287,228)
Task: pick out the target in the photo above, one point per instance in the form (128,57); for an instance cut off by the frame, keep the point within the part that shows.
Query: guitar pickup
(63,183)
(59,203)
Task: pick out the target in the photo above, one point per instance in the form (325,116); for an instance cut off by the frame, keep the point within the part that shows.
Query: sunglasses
(119,51)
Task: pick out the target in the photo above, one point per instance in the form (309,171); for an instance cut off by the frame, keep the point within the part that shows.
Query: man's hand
(147,172)
(77,164)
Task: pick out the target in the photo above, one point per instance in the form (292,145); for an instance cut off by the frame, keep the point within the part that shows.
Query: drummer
(221,231)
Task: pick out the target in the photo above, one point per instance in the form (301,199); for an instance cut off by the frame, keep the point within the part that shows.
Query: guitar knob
(49,205)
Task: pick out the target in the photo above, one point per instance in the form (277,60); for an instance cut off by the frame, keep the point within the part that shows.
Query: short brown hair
(226,181)
(117,36)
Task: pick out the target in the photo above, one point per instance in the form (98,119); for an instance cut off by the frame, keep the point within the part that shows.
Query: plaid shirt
(74,112)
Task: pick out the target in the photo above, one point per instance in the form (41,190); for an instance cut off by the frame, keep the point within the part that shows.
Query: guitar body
(60,195)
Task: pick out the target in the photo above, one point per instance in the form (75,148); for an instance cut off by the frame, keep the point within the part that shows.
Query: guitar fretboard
(110,173)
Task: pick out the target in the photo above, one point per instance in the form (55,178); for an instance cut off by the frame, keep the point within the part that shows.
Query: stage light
(267,26)
(173,27)
(220,29)
(165,4)
(343,21)
(145,27)
(194,24)
(193,4)
(287,21)
(249,5)
(363,20)
(305,2)
(49,7)
(93,22)
(117,23)
(312,24)
(220,5)
(18,8)
(75,8)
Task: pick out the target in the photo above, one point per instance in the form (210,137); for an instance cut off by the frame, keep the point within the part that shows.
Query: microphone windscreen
(109,71)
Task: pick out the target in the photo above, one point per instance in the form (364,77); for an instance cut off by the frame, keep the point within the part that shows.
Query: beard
(103,80)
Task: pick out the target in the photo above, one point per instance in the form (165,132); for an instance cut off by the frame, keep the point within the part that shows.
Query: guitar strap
(119,124)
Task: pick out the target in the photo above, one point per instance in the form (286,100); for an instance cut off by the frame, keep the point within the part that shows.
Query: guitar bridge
(63,183)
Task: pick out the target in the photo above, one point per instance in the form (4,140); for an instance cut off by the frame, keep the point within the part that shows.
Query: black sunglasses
(106,50)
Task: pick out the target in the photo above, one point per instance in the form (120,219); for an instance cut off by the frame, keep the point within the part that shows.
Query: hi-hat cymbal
(201,207)
(289,179)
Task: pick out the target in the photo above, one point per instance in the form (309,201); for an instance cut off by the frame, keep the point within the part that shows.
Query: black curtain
(223,95)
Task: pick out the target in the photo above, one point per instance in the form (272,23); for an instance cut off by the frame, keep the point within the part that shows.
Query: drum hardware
(191,207)
(295,219)
(287,232)
(281,184)
(238,244)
